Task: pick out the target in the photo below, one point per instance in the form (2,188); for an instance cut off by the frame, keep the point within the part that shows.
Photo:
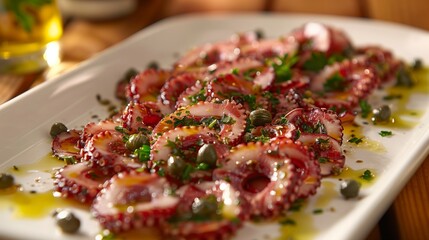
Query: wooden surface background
(407,218)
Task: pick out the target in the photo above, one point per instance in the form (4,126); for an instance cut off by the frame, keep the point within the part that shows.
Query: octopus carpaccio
(236,130)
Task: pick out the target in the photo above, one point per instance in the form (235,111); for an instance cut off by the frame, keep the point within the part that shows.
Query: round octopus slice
(66,145)
(192,95)
(146,85)
(185,142)
(93,128)
(208,54)
(327,151)
(230,117)
(268,48)
(175,86)
(269,185)
(134,200)
(304,161)
(316,120)
(79,181)
(220,220)
(106,150)
(140,116)
(319,37)
(342,85)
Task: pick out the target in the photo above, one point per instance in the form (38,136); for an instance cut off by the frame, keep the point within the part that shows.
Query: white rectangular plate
(25,121)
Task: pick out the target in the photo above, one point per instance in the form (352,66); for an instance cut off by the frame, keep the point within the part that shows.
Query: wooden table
(408,216)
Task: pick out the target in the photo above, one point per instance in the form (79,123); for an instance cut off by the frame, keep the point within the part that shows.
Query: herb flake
(384,133)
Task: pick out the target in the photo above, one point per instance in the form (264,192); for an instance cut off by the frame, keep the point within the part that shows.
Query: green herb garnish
(287,221)
(283,69)
(316,63)
(335,83)
(385,133)
(318,211)
(355,140)
(365,108)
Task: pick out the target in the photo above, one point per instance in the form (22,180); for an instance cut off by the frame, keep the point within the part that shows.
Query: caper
(176,166)
(207,154)
(136,140)
(6,181)
(260,117)
(206,207)
(67,221)
(381,114)
(417,64)
(403,78)
(57,128)
(350,188)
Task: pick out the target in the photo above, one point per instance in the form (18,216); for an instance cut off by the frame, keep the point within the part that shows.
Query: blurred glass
(29,34)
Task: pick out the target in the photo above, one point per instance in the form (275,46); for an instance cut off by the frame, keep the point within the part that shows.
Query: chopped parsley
(317,211)
(355,140)
(367,175)
(235,71)
(271,98)
(287,221)
(323,159)
(185,121)
(365,108)
(296,205)
(384,133)
(199,96)
(187,172)
(392,97)
(227,119)
(316,62)
(283,69)
(335,83)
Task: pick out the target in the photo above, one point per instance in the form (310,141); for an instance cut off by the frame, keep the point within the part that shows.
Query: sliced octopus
(208,210)
(134,200)
(269,185)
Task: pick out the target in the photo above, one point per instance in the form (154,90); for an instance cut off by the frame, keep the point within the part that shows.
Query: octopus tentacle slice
(134,200)
(185,138)
(79,181)
(229,215)
(240,65)
(322,38)
(107,150)
(316,120)
(267,48)
(191,95)
(304,161)
(93,128)
(269,185)
(171,90)
(230,132)
(208,54)
(228,86)
(138,116)
(146,85)
(327,151)
(66,145)
(355,82)
(375,55)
